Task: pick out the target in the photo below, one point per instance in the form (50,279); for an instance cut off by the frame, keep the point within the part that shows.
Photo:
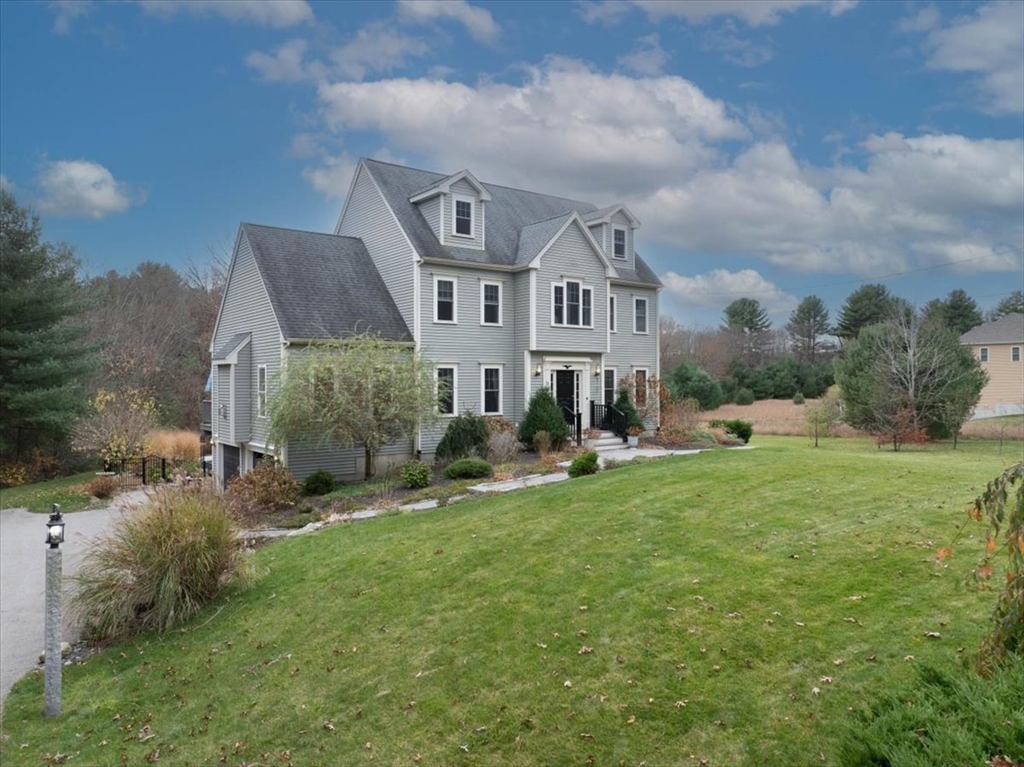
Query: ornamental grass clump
(161,563)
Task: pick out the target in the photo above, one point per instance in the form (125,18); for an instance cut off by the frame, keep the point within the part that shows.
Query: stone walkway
(533,480)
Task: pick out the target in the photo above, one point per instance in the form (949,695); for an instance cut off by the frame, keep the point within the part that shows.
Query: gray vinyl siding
(464,188)
(572,256)
(222,430)
(521,304)
(629,350)
(431,210)
(367,217)
(247,309)
(304,459)
(468,344)
(621,221)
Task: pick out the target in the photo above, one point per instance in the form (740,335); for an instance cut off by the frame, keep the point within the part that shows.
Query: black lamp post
(54,622)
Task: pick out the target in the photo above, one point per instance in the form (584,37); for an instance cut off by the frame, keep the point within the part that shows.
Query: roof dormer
(454,208)
(613,228)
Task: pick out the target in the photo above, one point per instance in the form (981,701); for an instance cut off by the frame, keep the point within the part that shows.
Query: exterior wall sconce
(223,411)
(597,372)
(538,370)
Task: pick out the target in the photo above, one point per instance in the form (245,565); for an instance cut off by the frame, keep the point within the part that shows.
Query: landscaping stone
(65,651)
(432,503)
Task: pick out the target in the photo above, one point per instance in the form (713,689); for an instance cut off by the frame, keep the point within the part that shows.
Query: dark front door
(565,390)
(230,455)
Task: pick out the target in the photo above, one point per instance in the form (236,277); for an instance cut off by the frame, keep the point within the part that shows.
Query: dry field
(781,416)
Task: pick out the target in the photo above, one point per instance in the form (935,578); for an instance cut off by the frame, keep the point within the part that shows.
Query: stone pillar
(54,629)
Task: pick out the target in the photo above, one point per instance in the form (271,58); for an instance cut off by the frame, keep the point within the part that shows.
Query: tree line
(72,346)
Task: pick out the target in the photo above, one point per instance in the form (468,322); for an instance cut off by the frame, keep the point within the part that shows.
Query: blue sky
(771,149)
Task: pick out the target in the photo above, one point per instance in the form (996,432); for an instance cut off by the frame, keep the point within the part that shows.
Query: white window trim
(625,243)
(615,384)
(501,390)
(261,391)
(647,316)
(565,304)
(501,297)
(455,299)
(1015,349)
(613,325)
(983,355)
(457,198)
(455,387)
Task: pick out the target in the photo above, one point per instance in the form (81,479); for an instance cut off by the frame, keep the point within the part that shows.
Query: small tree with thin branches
(361,391)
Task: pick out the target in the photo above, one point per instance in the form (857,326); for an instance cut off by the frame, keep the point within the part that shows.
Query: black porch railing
(608,418)
(575,420)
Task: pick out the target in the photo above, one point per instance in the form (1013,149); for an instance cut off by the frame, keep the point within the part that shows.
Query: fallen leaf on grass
(328,724)
(838,662)
(567,683)
(584,650)
(681,703)
(825,679)
(631,720)
(815,691)
(799,623)
(908,658)
(932,634)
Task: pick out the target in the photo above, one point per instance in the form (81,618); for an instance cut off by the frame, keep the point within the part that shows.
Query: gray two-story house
(501,290)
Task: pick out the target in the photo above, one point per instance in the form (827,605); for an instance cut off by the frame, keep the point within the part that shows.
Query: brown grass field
(781,416)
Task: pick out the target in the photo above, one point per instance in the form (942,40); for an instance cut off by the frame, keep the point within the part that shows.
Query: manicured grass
(665,612)
(67,491)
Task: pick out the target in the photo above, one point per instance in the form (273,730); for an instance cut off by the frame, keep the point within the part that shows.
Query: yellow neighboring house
(1000,347)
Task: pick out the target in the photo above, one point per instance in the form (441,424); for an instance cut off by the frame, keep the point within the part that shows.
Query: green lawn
(39,497)
(662,613)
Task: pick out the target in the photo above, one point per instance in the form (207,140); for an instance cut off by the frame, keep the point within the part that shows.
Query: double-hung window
(446,394)
(462,217)
(611,313)
(639,315)
(261,391)
(490,387)
(490,303)
(1015,353)
(619,243)
(445,292)
(609,386)
(983,354)
(572,304)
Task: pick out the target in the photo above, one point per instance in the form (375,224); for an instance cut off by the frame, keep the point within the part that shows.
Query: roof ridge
(485,183)
(299,231)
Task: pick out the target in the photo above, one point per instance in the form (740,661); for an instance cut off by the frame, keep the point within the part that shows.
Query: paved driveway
(22,582)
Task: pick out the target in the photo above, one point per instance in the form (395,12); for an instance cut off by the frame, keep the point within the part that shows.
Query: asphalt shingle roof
(230,345)
(323,285)
(1005,330)
(509,214)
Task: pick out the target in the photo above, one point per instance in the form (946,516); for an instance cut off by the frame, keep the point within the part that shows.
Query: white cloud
(479,22)
(735,49)
(647,57)
(566,127)
(66,11)
(752,12)
(377,47)
(989,43)
(81,188)
(267,13)
(333,177)
(720,286)
(284,65)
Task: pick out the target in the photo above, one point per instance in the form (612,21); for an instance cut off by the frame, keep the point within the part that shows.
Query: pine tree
(747,322)
(1012,304)
(867,305)
(43,357)
(958,312)
(807,325)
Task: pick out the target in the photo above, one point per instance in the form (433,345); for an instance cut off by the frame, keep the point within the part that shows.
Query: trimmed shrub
(744,397)
(624,403)
(415,474)
(318,483)
(798,398)
(544,414)
(468,468)
(583,465)
(101,487)
(466,435)
(161,564)
(740,429)
(542,443)
(269,486)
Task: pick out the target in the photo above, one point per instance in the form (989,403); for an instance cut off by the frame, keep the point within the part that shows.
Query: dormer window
(619,243)
(462,217)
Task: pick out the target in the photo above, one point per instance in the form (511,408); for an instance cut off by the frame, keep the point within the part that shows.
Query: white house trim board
(634,222)
(444,187)
(585,231)
(455,298)
(533,309)
(484,284)
(456,199)
(484,367)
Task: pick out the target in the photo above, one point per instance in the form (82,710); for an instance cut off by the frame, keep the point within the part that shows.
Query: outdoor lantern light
(597,372)
(55,528)
(537,370)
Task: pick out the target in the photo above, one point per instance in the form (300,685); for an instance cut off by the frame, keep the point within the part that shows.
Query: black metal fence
(149,470)
(609,418)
